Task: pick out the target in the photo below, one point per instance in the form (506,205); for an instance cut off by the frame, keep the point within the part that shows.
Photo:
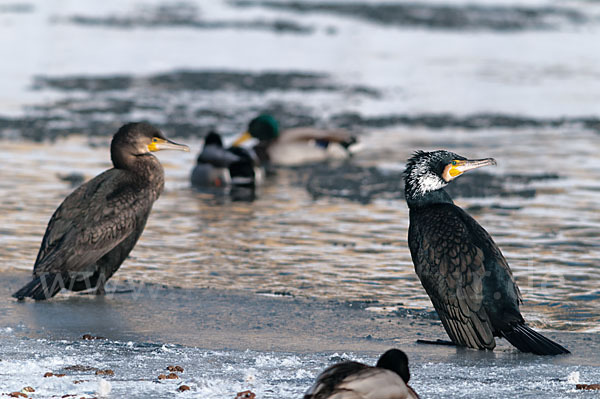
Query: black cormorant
(292,146)
(463,271)
(97,225)
(353,380)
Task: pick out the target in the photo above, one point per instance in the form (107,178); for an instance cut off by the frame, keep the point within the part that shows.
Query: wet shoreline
(237,320)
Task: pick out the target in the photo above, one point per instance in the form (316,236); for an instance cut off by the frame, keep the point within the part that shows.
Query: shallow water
(517,83)
(332,247)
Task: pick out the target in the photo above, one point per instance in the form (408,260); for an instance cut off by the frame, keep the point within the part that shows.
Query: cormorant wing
(91,221)
(451,268)
(503,294)
(501,297)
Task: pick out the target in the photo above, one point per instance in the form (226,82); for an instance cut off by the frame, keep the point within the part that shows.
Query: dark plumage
(220,167)
(244,172)
(212,165)
(97,225)
(353,380)
(463,271)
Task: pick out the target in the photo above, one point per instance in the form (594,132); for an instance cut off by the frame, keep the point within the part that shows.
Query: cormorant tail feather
(527,340)
(41,287)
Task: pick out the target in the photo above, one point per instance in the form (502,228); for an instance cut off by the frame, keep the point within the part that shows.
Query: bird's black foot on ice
(129,291)
(436,342)
(102,291)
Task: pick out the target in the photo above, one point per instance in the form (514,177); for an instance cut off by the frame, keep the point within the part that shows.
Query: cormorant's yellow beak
(159,144)
(243,138)
(457,167)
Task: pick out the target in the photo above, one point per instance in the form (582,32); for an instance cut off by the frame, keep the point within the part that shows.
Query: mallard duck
(97,225)
(220,167)
(293,146)
(212,165)
(353,380)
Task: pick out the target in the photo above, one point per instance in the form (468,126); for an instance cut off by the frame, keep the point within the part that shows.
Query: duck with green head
(296,145)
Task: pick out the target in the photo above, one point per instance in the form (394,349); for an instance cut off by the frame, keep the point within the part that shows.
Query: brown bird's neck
(145,171)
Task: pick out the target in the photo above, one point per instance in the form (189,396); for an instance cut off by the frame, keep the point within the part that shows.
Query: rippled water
(477,91)
(335,248)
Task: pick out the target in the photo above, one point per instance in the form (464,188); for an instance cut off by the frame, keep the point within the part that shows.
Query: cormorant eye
(454,163)
(154,140)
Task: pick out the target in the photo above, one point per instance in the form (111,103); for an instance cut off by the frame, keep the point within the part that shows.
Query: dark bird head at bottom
(428,172)
(395,360)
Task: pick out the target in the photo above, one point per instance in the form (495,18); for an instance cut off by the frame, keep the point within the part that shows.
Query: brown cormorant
(462,269)
(292,146)
(97,225)
(353,380)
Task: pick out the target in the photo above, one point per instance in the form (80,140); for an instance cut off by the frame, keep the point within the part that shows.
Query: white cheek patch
(429,183)
(143,148)
(446,174)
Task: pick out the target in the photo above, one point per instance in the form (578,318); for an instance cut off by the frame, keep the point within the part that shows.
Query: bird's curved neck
(145,167)
(417,200)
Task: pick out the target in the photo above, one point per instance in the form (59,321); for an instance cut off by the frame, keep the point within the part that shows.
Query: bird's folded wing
(90,222)
(332,376)
(495,261)
(451,268)
(372,383)
(217,156)
(309,133)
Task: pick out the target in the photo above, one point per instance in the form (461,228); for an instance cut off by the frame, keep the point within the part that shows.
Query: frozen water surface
(222,373)
(230,341)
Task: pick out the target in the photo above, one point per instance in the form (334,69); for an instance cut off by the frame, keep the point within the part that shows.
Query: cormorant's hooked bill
(459,166)
(460,266)
(160,143)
